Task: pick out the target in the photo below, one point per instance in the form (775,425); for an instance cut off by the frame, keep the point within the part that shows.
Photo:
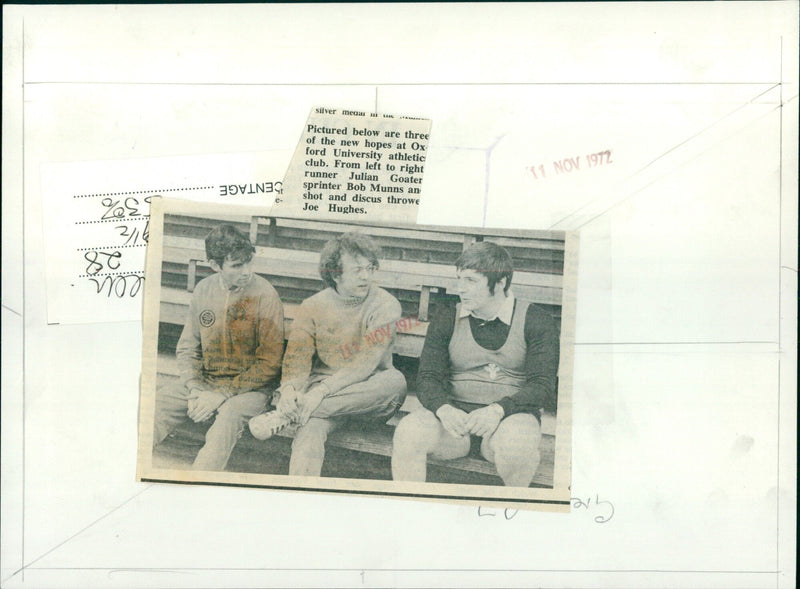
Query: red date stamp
(379,335)
(572,164)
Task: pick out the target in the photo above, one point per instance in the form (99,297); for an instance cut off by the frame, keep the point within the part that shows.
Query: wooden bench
(377,440)
(414,273)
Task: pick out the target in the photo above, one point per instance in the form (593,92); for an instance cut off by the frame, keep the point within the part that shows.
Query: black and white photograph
(399,295)
(307,354)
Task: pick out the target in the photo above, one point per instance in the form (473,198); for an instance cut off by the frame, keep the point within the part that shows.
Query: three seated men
(487,370)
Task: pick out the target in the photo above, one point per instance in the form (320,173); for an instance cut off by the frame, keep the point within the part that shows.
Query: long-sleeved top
(537,388)
(340,341)
(233,338)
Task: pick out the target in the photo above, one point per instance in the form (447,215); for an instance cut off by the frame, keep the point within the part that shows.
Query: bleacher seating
(417,267)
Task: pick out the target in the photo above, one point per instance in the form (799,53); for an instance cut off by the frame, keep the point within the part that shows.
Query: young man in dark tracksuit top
(229,352)
(487,369)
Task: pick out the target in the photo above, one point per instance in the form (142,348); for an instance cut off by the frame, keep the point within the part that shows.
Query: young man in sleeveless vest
(487,369)
(229,353)
(338,362)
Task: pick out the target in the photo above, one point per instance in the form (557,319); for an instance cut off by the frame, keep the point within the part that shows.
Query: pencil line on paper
(409,570)
(666,153)
(557,502)
(637,191)
(102,517)
(17,313)
(488,157)
(780,302)
(715,123)
(361,84)
(709,343)
(24,339)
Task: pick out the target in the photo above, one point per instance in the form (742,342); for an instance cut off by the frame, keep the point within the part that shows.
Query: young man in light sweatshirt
(338,362)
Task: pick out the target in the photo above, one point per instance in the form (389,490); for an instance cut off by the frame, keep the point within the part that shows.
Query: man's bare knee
(414,437)
(523,451)
(395,381)
(417,432)
(241,406)
(390,385)
(515,448)
(226,410)
(229,412)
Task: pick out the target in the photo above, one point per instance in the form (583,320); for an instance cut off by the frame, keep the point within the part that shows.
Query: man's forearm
(190,369)
(432,395)
(357,371)
(297,361)
(522,402)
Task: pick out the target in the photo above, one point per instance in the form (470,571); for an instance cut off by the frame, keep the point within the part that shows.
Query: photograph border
(555,499)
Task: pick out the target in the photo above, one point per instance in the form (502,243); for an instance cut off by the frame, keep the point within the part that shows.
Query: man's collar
(504,314)
(233,288)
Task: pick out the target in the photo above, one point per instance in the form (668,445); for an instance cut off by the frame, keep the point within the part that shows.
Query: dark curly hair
(227,242)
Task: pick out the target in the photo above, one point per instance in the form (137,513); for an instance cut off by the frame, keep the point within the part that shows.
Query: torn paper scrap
(357,166)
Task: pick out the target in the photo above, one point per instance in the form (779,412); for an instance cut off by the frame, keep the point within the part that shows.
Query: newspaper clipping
(356,165)
(330,343)
(401,360)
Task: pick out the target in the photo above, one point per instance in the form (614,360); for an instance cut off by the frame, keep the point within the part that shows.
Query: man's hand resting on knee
(485,420)
(203,403)
(453,420)
(310,401)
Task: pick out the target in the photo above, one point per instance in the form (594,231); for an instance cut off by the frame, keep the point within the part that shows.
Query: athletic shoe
(266,425)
